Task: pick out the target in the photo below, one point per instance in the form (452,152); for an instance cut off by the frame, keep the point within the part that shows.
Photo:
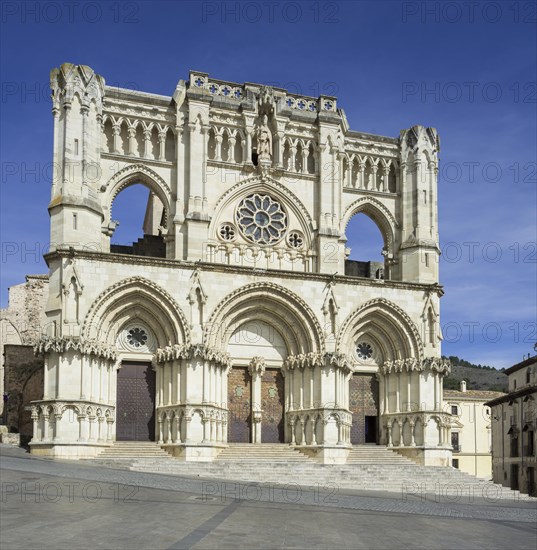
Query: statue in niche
(264,140)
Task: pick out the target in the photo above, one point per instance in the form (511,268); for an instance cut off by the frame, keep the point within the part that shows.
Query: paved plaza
(61,504)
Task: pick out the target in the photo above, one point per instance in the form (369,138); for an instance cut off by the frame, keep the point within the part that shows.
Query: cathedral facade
(238,317)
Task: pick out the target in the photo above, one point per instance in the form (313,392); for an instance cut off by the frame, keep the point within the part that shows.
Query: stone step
(368,468)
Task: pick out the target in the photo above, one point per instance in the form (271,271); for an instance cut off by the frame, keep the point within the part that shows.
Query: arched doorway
(136,383)
(256,384)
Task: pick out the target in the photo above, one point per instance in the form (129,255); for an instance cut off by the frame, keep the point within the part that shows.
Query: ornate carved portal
(136,384)
(239,405)
(363,403)
(272,400)
(244,411)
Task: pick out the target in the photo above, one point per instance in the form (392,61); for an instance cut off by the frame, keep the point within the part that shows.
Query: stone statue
(264,140)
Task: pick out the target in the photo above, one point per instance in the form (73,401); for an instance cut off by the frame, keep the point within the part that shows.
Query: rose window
(137,337)
(261,219)
(364,351)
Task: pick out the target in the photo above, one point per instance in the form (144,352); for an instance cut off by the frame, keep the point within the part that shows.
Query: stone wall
(23,384)
(22,321)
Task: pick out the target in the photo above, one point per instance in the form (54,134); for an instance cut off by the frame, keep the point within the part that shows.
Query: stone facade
(514,422)
(252,189)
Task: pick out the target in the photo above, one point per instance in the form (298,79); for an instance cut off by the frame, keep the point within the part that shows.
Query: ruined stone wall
(22,321)
(23,373)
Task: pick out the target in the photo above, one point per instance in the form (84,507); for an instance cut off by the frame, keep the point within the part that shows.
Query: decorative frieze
(435,364)
(312,360)
(63,344)
(193,351)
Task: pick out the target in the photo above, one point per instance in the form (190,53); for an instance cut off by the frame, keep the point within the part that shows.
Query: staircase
(368,468)
(246,453)
(133,451)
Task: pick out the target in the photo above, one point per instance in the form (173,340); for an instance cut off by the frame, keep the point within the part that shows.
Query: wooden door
(239,405)
(135,413)
(272,401)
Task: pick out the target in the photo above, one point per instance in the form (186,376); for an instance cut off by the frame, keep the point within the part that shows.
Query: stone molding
(323,360)
(410,364)
(234,269)
(192,351)
(63,344)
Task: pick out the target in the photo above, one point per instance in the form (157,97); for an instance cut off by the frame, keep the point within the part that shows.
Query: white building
(514,415)
(238,317)
(471,429)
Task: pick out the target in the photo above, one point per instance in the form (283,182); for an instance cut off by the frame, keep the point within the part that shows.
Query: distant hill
(478,377)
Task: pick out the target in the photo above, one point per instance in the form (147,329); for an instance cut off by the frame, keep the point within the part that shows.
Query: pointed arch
(375,210)
(132,175)
(136,298)
(268,185)
(272,304)
(385,323)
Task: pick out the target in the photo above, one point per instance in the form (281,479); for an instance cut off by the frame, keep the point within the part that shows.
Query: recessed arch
(385,323)
(266,186)
(131,299)
(271,304)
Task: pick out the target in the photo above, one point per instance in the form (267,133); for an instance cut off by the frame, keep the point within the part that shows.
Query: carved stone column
(116,130)
(131,132)
(147,144)
(162,145)
(256,369)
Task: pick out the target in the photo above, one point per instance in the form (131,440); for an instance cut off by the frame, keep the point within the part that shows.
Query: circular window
(261,219)
(295,239)
(136,337)
(364,351)
(227,232)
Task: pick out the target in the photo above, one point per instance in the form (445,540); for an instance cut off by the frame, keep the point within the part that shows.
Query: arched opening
(225,147)
(155,148)
(238,149)
(140,217)
(211,145)
(169,146)
(365,248)
(311,160)
(108,137)
(256,383)
(392,181)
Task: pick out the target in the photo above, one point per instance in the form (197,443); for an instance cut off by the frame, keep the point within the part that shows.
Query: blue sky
(468,71)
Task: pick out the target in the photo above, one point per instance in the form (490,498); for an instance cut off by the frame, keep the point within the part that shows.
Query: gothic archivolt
(271,303)
(132,298)
(389,326)
(270,186)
